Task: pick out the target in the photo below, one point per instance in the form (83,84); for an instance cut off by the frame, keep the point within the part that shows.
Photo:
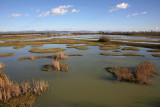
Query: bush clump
(141,73)
(104,39)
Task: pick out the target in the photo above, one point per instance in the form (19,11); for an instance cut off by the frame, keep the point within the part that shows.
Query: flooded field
(87,84)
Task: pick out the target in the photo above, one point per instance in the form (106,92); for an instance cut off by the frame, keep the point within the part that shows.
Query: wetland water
(87,84)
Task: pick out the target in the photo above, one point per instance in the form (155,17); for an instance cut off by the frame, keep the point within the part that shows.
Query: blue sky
(72,15)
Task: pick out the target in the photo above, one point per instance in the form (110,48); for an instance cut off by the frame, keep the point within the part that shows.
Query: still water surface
(87,84)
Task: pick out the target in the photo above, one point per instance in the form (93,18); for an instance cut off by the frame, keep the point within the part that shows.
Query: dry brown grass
(60,56)
(10,90)
(121,73)
(39,87)
(32,57)
(104,39)
(6,54)
(143,71)
(1,65)
(56,65)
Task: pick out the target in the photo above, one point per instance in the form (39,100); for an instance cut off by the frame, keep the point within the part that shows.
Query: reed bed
(10,90)
(141,73)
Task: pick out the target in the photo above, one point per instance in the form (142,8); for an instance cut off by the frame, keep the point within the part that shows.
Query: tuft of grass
(157,50)
(121,73)
(12,92)
(104,39)
(60,56)
(6,54)
(156,55)
(143,71)
(56,65)
(50,50)
(63,67)
(130,48)
(47,67)
(20,101)
(2,65)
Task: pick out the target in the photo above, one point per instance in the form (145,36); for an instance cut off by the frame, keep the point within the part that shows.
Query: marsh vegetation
(87,76)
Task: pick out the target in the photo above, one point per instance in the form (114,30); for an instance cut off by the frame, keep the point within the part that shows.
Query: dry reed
(60,56)
(10,90)
(143,71)
(56,65)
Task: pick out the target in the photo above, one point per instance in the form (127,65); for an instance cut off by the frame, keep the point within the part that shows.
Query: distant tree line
(144,33)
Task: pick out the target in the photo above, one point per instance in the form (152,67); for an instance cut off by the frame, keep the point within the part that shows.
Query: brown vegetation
(130,48)
(6,54)
(10,90)
(141,73)
(156,55)
(125,54)
(104,39)
(56,65)
(1,65)
(60,55)
(157,50)
(50,50)
(121,73)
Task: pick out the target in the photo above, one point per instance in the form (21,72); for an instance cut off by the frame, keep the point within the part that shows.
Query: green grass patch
(50,50)
(110,47)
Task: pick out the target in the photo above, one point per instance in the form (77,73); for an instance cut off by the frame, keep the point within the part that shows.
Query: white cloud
(75,11)
(134,14)
(37,10)
(14,15)
(61,10)
(144,12)
(44,14)
(26,14)
(119,6)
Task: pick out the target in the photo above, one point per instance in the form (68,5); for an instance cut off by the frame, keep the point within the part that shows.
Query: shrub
(143,71)
(104,39)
